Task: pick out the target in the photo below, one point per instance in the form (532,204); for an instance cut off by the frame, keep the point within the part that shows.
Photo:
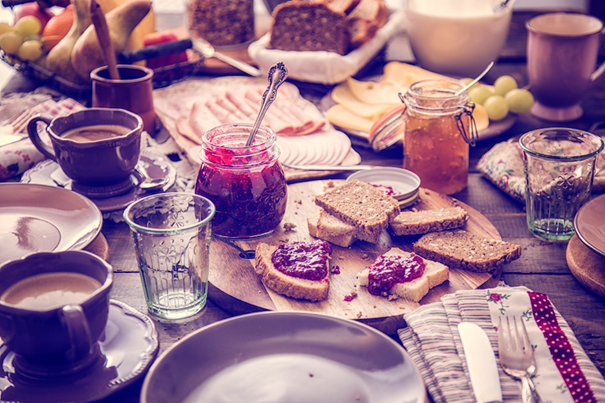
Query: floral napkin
(503,166)
(17,157)
(565,373)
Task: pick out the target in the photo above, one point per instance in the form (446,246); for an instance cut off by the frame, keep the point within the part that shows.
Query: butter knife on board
(481,363)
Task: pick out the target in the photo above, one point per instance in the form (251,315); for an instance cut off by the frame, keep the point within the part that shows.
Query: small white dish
(405,183)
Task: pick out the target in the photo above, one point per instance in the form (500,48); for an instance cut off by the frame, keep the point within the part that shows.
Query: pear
(121,21)
(58,60)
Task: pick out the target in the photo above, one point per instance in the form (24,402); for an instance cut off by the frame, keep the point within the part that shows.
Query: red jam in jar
(305,260)
(246,184)
(388,271)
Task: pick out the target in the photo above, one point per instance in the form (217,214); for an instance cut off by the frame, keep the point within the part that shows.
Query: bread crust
(284,284)
(462,250)
(423,222)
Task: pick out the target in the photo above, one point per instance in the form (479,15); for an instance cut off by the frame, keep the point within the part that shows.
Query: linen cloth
(564,371)
(17,157)
(326,67)
(503,166)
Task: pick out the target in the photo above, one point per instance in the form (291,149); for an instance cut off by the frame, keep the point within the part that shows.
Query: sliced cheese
(342,95)
(373,93)
(406,74)
(342,117)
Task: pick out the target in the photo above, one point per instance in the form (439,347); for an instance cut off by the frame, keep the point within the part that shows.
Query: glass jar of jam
(438,130)
(246,184)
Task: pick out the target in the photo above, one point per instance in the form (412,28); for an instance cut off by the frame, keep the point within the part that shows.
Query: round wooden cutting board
(235,287)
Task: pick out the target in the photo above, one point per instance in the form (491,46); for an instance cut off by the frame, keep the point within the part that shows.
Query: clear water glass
(559,166)
(172,234)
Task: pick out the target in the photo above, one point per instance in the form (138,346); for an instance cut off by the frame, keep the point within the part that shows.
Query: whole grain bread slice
(288,285)
(434,274)
(329,228)
(360,205)
(460,249)
(425,221)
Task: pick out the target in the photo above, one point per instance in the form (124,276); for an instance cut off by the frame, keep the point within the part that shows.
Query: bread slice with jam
(434,274)
(297,269)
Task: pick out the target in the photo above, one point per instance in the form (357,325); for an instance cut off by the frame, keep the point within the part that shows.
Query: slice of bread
(360,205)
(425,221)
(434,274)
(365,20)
(329,228)
(282,283)
(462,250)
(342,6)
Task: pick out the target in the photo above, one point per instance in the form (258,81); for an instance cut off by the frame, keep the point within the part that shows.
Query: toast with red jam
(400,274)
(296,269)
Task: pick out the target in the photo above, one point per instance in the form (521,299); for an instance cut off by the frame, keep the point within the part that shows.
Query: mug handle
(32,130)
(79,333)
(598,72)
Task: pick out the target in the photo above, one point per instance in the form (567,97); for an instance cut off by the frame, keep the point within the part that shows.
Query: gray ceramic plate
(590,224)
(284,357)
(36,218)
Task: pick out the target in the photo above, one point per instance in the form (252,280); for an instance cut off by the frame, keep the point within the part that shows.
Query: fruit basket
(163,76)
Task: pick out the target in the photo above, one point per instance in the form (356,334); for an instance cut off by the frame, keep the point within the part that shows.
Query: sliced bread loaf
(360,205)
(299,25)
(425,221)
(462,250)
(311,281)
(434,274)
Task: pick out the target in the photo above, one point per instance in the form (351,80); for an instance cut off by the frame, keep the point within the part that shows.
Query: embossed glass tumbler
(559,167)
(172,233)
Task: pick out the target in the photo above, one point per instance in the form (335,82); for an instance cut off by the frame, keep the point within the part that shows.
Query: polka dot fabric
(560,349)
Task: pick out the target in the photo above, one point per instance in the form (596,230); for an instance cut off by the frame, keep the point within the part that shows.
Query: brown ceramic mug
(562,50)
(54,308)
(94,147)
(133,92)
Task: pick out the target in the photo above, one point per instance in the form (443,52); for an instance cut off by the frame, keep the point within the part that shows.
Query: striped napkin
(565,373)
(17,157)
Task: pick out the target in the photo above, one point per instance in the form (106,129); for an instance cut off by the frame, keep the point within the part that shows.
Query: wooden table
(542,266)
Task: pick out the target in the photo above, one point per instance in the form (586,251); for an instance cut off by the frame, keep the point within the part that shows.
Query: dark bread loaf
(300,25)
(425,221)
(463,250)
(361,205)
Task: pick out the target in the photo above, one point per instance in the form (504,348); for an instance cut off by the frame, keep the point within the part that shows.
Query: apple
(34,9)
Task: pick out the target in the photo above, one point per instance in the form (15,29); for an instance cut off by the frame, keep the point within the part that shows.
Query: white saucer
(48,172)
(128,348)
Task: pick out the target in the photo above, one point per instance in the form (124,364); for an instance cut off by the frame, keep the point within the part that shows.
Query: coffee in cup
(96,147)
(54,308)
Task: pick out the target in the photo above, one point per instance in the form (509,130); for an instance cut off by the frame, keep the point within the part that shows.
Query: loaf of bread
(222,22)
(462,250)
(291,286)
(329,228)
(300,25)
(425,221)
(434,274)
(361,205)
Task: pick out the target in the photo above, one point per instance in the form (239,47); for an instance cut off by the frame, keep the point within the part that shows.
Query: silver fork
(517,357)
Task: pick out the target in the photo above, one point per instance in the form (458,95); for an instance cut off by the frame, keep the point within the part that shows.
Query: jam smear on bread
(388,271)
(305,260)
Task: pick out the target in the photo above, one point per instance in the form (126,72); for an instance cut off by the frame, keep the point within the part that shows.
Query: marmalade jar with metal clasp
(438,129)
(246,183)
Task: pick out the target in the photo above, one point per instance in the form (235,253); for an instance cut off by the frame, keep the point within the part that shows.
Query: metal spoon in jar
(469,85)
(277,75)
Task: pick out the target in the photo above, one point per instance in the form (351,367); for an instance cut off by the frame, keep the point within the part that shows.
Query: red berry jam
(246,184)
(390,270)
(305,260)
(387,190)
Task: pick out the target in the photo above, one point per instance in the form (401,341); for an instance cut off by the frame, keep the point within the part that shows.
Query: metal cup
(172,233)
(559,166)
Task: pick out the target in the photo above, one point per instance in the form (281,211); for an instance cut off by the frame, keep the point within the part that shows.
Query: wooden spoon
(100,23)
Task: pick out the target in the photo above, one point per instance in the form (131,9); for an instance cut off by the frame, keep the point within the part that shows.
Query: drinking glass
(559,167)
(172,233)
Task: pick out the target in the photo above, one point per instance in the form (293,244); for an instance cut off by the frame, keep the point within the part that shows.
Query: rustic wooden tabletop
(542,266)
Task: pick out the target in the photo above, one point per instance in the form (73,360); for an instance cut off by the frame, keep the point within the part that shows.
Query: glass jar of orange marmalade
(438,130)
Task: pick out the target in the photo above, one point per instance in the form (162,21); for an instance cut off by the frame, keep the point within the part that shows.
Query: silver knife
(481,363)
